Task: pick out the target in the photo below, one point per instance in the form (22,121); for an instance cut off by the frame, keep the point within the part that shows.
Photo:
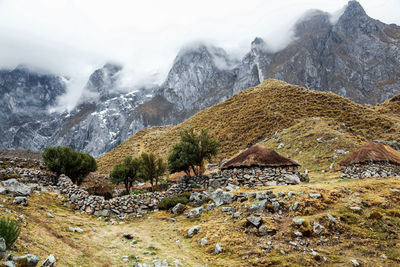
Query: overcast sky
(74,37)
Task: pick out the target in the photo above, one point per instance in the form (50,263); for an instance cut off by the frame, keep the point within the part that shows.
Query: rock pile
(366,170)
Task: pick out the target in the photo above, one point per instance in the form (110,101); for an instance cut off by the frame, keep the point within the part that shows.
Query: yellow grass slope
(255,114)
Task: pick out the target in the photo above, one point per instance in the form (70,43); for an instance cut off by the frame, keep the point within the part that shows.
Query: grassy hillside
(258,113)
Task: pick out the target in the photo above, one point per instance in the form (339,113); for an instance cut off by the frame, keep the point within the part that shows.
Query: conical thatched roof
(372,152)
(258,156)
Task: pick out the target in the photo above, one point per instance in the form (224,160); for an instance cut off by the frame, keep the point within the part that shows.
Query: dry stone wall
(137,205)
(366,170)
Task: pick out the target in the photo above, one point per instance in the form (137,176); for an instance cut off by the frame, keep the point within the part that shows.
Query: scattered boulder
(9,264)
(355,262)
(14,188)
(258,206)
(291,179)
(318,229)
(160,263)
(315,195)
(232,187)
(49,262)
(50,215)
(203,241)
(298,221)
(221,197)
(218,248)
(29,260)
(3,248)
(23,201)
(76,229)
(263,229)
(195,213)
(228,209)
(332,219)
(210,206)
(256,221)
(194,230)
(178,209)
(199,197)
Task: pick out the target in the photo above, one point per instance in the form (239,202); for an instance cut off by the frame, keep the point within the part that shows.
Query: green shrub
(9,230)
(63,160)
(138,191)
(170,202)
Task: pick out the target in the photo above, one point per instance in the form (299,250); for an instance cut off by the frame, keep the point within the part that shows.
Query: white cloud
(74,37)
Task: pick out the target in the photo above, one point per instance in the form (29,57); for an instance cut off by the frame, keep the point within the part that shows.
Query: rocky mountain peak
(259,45)
(354,9)
(312,22)
(104,80)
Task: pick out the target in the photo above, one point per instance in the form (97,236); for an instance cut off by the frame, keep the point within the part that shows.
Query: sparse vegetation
(152,168)
(9,230)
(127,173)
(63,160)
(170,202)
(189,154)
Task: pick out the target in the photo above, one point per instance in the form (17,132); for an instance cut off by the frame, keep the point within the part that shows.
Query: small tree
(151,168)
(76,165)
(189,154)
(127,173)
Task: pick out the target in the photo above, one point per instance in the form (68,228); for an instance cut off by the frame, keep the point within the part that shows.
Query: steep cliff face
(200,76)
(355,56)
(24,99)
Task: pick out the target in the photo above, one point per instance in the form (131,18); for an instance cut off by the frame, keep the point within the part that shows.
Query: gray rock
(23,201)
(199,197)
(258,206)
(50,215)
(232,187)
(228,209)
(195,213)
(3,248)
(256,221)
(203,241)
(178,209)
(317,228)
(14,188)
(298,221)
(49,262)
(160,263)
(210,206)
(221,197)
(31,260)
(9,264)
(194,230)
(263,229)
(355,262)
(218,249)
(315,195)
(356,208)
(291,179)
(261,196)
(76,229)
(332,219)
(236,214)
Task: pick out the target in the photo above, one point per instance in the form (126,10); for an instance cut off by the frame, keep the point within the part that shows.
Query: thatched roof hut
(258,156)
(372,152)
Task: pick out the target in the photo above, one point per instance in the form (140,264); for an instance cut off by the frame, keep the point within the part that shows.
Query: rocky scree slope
(355,57)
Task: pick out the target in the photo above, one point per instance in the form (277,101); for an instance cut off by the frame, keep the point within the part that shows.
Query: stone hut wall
(366,170)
